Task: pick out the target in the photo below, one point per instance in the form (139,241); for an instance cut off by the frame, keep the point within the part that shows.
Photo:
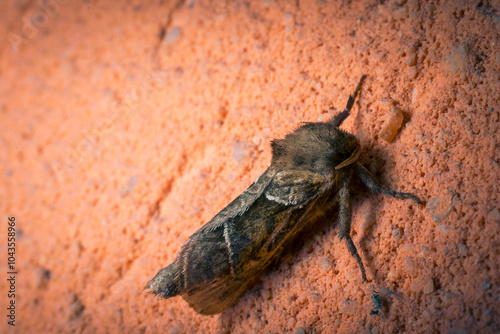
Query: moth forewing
(310,171)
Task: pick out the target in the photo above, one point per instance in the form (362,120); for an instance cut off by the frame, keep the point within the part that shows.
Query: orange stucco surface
(126,125)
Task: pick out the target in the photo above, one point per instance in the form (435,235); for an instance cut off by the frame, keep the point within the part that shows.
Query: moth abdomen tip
(162,288)
(166,283)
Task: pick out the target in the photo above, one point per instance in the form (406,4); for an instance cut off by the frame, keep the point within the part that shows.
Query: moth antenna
(352,159)
(339,118)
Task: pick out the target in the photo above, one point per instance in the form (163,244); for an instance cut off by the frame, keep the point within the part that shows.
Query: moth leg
(375,187)
(339,118)
(345,222)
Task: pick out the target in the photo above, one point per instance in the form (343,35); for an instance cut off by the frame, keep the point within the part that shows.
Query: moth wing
(257,236)
(272,212)
(222,291)
(243,202)
(218,297)
(293,187)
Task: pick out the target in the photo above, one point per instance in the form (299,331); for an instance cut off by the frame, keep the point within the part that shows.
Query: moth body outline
(311,169)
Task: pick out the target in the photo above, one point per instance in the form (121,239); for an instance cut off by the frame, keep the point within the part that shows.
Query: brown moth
(311,170)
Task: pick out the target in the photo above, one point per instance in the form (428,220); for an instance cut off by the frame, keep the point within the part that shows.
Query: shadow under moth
(311,170)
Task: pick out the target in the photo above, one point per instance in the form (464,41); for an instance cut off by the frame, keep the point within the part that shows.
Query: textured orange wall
(119,141)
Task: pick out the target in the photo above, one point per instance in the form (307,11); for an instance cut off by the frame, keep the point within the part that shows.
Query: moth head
(318,147)
(346,149)
(352,158)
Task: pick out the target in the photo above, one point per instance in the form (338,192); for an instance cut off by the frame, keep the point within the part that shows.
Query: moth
(310,172)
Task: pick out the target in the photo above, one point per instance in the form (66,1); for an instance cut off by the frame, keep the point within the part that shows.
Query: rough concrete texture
(126,125)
